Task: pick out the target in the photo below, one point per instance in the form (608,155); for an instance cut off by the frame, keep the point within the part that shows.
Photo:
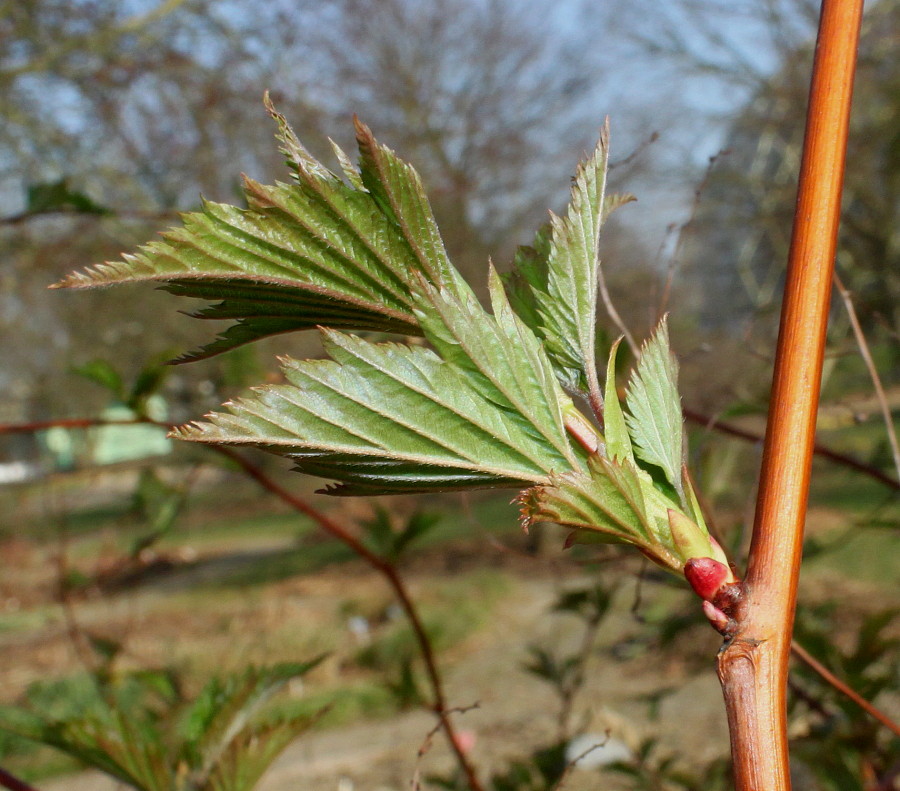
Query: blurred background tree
(739,237)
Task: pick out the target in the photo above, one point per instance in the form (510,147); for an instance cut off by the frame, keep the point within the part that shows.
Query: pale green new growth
(654,405)
(618,443)
(484,406)
(554,283)
(224,740)
(319,252)
(617,497)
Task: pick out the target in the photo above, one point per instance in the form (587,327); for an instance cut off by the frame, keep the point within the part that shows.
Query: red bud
(706,576)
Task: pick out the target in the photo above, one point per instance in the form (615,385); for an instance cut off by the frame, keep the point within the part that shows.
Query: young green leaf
(527,287)
(388,418)
(554,283)
(223,716)
(618,443)
(284,264)
(320,252)
(389,540)
(252,752)
(654,405)
(123,745)
(503,358)
(616,499)
(601,500)
(103,373)
(397,189)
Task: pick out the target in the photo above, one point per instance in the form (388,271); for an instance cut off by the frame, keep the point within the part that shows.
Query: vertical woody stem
(753,665)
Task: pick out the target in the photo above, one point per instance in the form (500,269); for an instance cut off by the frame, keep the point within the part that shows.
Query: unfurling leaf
(553,285)
(484,404)
(655,420)
(561,274)
(615,498)
(618,443)
(619,499)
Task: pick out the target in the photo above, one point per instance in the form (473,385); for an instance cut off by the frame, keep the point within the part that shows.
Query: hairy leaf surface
(504,360)
(554,283)
(616,498)
(655,420)
(618,442)
(388,418)
(319,252)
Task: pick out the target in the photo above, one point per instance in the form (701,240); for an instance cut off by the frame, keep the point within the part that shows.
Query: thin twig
(814,664)
(425,746)
(638,600)
(77,637)
(808,698)
(672,267)
(573,763)
(73,423)
(570,691)
(389,572)
(818,449)
(139,216)
(13,783)
(691,415)
(614,314)
(638,150)
(866,354)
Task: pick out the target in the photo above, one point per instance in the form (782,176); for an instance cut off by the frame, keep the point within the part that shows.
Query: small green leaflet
(655,420)
(387,418)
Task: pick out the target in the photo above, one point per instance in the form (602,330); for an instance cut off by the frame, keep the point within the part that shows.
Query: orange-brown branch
(753,666)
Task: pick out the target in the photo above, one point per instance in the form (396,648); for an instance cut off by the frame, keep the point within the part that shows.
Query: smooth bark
(753,664)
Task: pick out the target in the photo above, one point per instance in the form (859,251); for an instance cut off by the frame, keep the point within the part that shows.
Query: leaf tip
(363,132)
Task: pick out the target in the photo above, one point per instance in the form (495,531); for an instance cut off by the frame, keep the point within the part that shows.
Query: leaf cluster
(485,399)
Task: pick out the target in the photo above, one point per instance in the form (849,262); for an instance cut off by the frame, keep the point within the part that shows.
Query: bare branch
(814,664)
(864,352)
